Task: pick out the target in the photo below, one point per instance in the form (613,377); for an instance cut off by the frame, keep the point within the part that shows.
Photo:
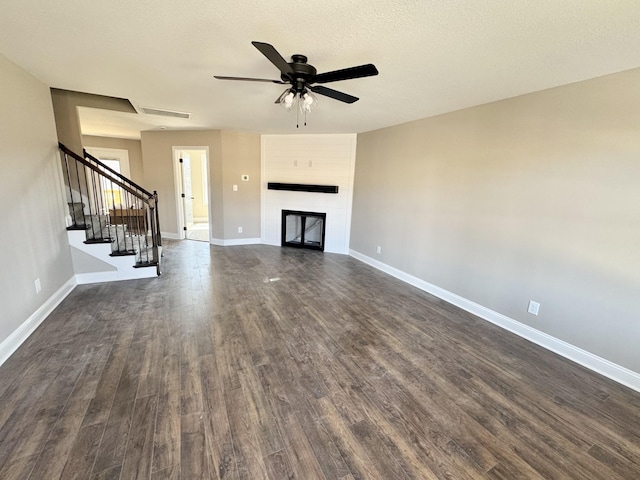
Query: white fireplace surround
(309,159)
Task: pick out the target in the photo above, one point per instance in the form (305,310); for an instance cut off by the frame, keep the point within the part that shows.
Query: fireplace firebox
(303,229)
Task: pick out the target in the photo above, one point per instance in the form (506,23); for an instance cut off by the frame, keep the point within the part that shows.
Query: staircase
(113,224)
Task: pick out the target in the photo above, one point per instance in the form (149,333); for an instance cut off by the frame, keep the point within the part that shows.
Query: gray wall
(33,239)
(535,197)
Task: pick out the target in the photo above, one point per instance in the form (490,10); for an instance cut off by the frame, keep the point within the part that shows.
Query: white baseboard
(170,236)
(587,359)
(13,341)
(235,241)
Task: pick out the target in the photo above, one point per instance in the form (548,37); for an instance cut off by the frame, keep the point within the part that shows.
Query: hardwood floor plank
(80,461)
(113,445)
(327,453)
(278,466)
(249,455)
(166,451)
(193,451)
(111,474)
(169,473)
(615,462)
(109,380)
(218,433)
(19,468)
(61,441)
(139,452)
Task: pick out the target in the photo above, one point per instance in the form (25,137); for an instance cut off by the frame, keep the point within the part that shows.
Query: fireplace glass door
(303,229)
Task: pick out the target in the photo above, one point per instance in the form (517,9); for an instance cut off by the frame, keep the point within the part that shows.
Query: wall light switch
(235,188)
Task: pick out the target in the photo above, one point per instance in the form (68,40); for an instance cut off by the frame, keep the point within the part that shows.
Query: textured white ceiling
(434,56)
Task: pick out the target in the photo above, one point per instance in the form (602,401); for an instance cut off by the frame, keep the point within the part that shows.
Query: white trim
(177,185)
(582,357)
(235,241)
(170,236)
(13,341)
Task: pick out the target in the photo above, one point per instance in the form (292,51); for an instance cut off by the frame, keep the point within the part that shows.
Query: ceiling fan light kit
(302,78)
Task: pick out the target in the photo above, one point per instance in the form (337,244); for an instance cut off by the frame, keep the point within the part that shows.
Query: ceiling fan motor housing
(303,73)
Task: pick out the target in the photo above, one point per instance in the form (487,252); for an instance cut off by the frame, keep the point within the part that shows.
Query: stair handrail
(134,191)
(118,174)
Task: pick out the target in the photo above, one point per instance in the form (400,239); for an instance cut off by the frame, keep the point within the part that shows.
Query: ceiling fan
(303,78)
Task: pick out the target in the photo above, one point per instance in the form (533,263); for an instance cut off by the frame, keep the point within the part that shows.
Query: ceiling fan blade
(274,57)
(347,73)
(329,92)
(244,79)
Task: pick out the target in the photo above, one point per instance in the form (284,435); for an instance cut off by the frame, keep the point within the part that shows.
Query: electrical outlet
(239,229)
(235,188)
(378,249)
(38,285)
(534,307)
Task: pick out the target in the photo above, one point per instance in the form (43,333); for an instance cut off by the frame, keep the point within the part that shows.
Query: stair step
(122,253)
(79,227)
(145,264)
(98,240)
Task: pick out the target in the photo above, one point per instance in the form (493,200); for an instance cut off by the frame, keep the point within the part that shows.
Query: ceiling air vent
(164,113)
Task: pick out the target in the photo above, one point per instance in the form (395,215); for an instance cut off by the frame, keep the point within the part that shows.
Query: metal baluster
(84,220)
(91,222)
(72,208)
(97,202)
(158,238)
(115,215)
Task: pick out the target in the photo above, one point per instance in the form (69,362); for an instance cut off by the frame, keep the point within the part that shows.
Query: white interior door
(187,191)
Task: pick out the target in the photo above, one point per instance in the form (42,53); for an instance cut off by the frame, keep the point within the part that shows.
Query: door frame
(177,175)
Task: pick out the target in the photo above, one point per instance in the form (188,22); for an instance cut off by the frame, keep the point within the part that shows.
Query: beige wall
(33,239)
(134,147)
(231,154)
(65,103)
(157,155)
(535,197)
(240,155)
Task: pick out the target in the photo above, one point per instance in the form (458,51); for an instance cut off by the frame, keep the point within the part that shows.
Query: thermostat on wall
(245,178)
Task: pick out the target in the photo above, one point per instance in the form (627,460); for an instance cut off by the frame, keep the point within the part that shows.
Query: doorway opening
(192,188)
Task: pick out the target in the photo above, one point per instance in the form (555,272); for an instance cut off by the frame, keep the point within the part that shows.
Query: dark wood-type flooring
(258,362)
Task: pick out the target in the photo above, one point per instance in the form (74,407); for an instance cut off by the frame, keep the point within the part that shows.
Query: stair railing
(111,208)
